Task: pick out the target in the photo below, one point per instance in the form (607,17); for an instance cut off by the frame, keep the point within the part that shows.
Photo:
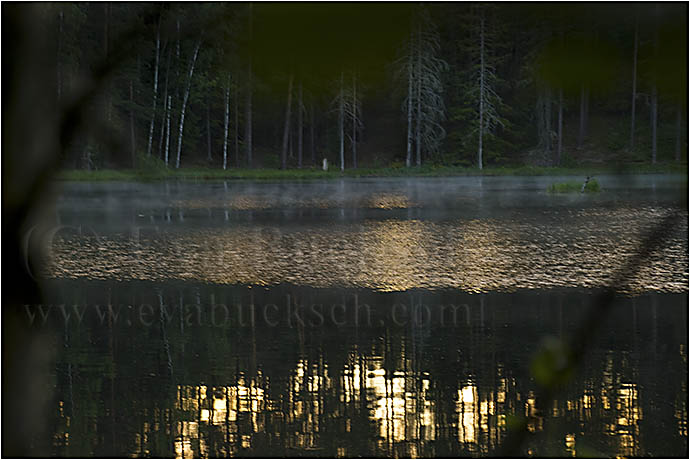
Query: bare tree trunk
(286,130)
(586,127)
(311,133)
(248,119)
(408,158)
(177,60)
(167,131)
(581,132)
(354,120)
(547,120)
(300,129)
(162,136)
(654,122)
(106,38)
(560,126)
(226,124)
(131,124)
(679,130)
(208,130)
(559,147)
(165,104)
(419,98)
(58,66)
(248,102)
(481,92)
(341,123)
(178,63)
(634,89)
(237,128)
(655,102)
(184,102)
(155,90)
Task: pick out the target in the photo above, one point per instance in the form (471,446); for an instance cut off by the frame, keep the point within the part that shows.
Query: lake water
(360,317)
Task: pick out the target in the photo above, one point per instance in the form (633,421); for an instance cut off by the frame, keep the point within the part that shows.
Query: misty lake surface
(361,317)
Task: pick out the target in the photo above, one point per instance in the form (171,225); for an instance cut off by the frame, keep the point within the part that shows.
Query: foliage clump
(592,186)
(150,167)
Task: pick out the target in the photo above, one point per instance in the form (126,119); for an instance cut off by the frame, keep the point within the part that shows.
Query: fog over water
(477,234)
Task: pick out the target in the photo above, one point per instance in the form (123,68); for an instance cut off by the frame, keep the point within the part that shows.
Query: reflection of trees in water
(388,390)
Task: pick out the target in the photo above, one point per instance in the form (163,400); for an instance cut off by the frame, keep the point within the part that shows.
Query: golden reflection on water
(247,202)
(227,406)
(225,420)
(402,408)
(627,430)
(584,250)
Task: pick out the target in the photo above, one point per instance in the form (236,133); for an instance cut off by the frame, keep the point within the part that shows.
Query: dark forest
(227,85)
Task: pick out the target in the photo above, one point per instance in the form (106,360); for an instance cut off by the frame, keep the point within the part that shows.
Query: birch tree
(185,100)
(300,128)
(165,104)
(226,121)
(227,61)
(155,89)
(167,131)
(286,130)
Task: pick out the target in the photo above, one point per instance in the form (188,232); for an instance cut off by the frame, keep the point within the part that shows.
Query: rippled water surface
(387,317)
(472,234)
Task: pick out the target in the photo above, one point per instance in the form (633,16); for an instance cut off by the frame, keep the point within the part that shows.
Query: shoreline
(317,174)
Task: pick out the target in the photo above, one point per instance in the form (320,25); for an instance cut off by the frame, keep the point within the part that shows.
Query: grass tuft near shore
(574,187)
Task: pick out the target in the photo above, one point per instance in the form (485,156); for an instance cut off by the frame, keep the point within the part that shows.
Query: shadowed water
(359,318)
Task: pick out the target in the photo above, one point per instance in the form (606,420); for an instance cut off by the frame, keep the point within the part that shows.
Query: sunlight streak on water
(578,248)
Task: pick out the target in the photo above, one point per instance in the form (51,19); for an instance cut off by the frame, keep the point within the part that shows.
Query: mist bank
(313,173)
